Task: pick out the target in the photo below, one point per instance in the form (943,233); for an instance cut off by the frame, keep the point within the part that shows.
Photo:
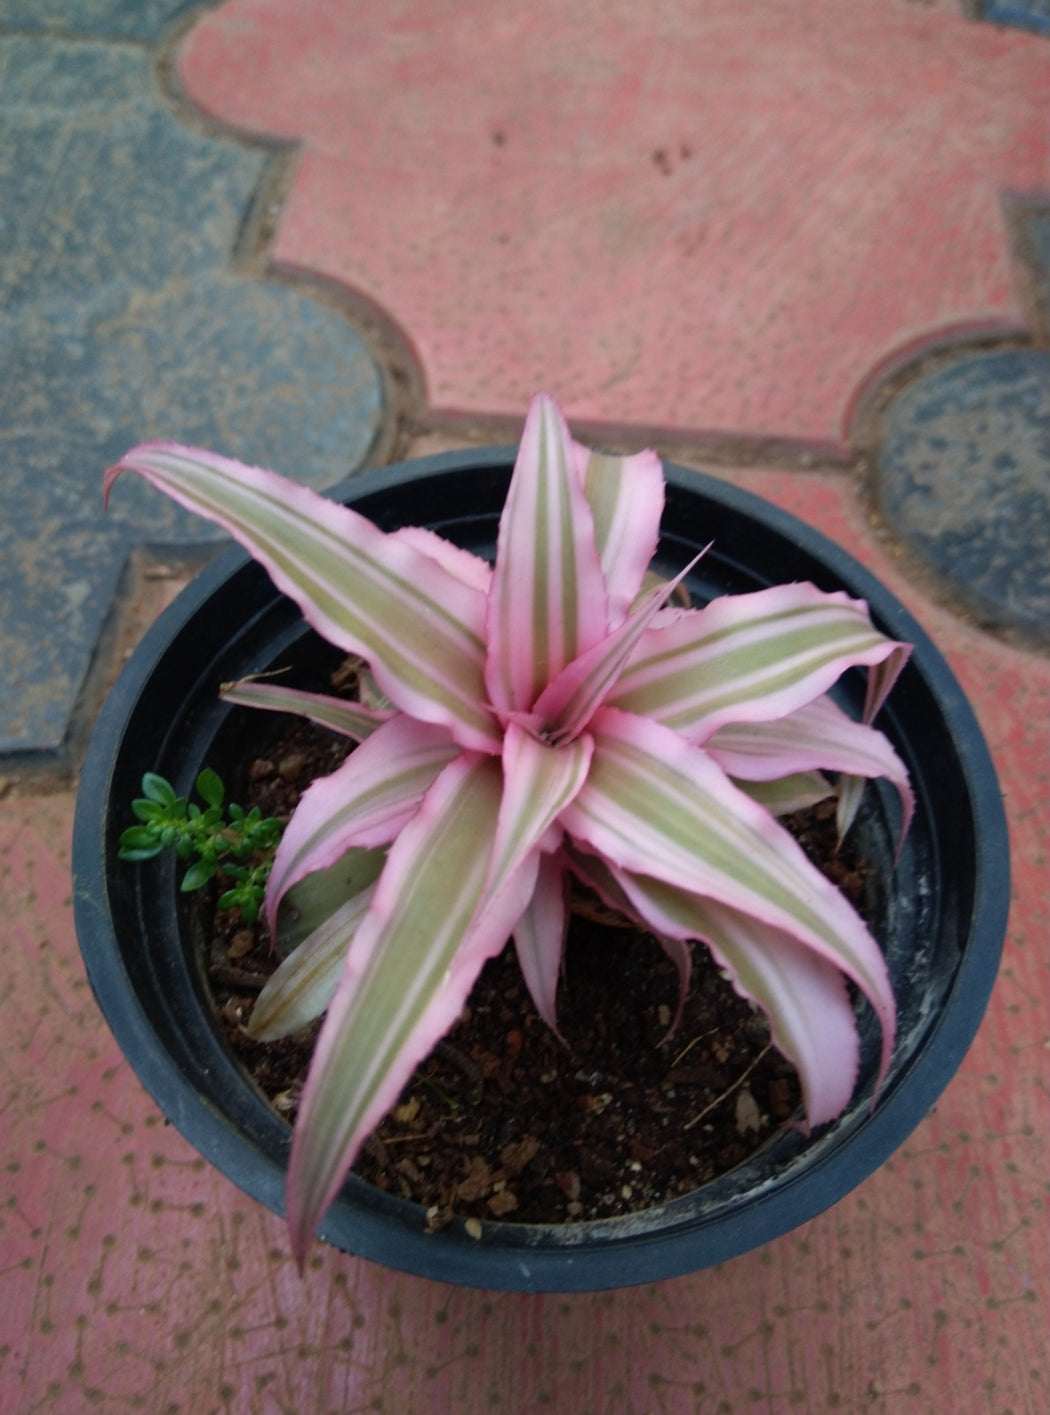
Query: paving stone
(964,479)
(120,321)
(1031,15)
(127,19)
(714,222)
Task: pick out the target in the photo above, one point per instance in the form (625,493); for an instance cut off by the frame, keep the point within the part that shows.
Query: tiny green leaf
(157,789)
(210,787)
(198,875)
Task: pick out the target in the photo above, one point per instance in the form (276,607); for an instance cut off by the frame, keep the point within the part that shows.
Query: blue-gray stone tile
(117,19)
(1032,15)
(121,320)
(963,477)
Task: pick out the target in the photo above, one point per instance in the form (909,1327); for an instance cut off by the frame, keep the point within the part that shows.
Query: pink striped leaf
(748,658)
(365,802)
(818,736)
(548,602)
(626,497)
(342,715)
(466,566)
(566,705)
(881,679)
(539,783)
(539,937)
(305,982)
(655,805)
(411,964)
(420,627)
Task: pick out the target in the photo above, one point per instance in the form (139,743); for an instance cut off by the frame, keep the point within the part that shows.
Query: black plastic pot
(940,914)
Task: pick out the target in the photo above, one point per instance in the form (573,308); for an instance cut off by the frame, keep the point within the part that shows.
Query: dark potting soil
(504,1119)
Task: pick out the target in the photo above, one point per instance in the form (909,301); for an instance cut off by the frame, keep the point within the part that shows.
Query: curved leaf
(305,982)
(626,497)
(654,805)
(409,970)
(803,995)
(342,715)
(818,736)
(548,603)
(420,627)
(539,938)
(364,802)
(748,658)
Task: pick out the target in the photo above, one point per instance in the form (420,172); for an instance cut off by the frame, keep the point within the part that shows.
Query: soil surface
(507,1120)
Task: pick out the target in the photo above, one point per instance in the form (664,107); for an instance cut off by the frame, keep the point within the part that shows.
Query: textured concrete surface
(121,320)
(132,1276)
(716,218)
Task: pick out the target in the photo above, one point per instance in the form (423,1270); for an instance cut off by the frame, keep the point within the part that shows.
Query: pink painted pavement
(717,218)
(133,1277)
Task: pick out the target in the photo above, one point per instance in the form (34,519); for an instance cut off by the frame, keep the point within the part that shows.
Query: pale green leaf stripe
(304,984)
(366,801)
(787,793)
(691,678)
(395,998)
(539,783)
(663,809)
(420,628)
(626,497)
(348,718)
(547,602)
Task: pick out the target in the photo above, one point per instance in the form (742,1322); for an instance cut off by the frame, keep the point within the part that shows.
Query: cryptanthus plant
(548,718)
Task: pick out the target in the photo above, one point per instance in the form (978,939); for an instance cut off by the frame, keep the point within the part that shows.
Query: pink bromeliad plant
(547,718)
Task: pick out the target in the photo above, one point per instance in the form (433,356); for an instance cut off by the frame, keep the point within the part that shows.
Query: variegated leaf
(788,793)
(818,736)
(655,805)
(305,982)
(803,995)
(365,802)
(626,497)
(548,603)
(410,968)
(420,628)
(342,715)
(748,658)
(539,938)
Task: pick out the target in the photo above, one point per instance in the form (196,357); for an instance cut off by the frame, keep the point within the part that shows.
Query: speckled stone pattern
(964,479)
(121,320)
(1032,15)
(106,19)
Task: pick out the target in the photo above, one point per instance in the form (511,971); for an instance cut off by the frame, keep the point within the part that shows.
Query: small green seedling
(224,842)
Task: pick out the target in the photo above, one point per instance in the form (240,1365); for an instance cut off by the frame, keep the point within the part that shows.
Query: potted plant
(545,715)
